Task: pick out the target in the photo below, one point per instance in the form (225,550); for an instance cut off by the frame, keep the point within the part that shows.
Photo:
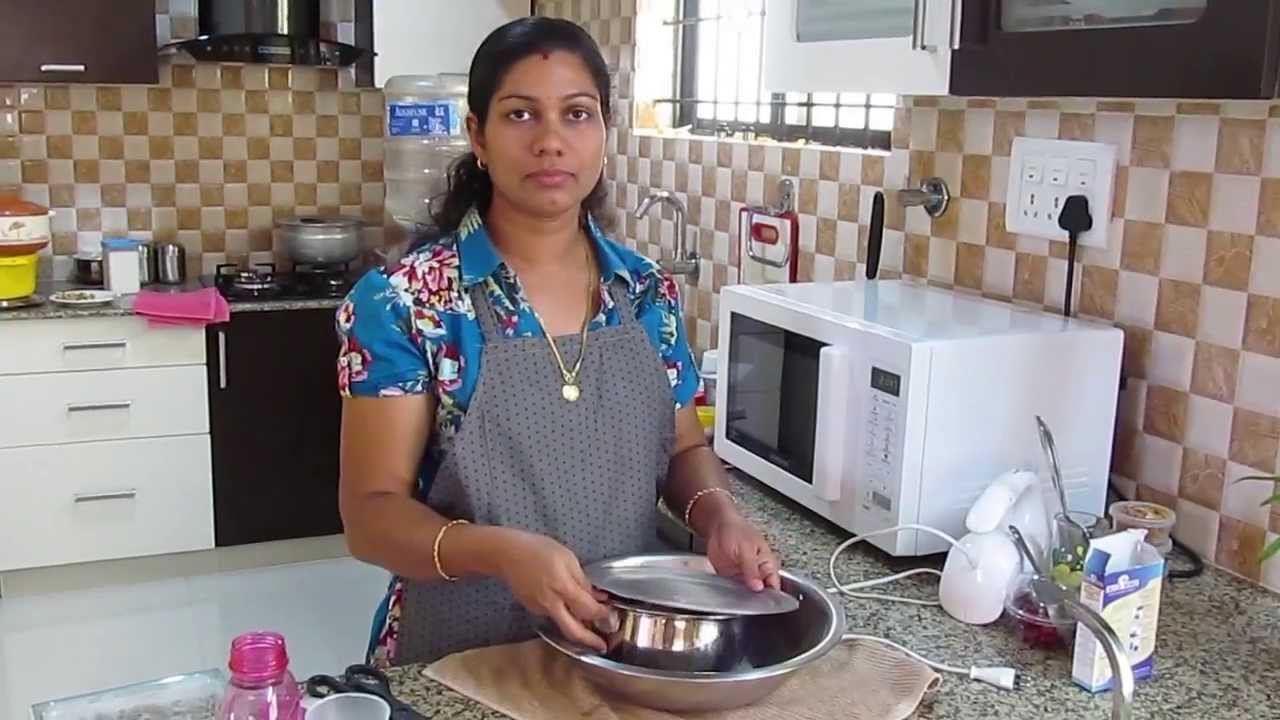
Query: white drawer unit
(54,408)
(104,500)
(42,346)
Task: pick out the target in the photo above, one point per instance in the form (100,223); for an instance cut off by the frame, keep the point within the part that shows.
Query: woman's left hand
(736,549)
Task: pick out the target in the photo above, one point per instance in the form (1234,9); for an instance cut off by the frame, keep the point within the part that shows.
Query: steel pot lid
(317,224)
(689,590)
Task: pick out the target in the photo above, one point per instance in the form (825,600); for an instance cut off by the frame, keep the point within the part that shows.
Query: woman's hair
(469,186)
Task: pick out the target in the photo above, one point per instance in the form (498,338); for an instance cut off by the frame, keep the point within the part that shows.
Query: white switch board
(1044,173)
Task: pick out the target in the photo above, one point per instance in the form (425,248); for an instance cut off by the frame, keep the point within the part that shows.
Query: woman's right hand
(547,579)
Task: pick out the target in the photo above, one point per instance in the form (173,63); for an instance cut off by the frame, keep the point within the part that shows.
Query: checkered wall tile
(209,158)
(1192,274)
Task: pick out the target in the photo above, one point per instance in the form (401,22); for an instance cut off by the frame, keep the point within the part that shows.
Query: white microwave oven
(884,402)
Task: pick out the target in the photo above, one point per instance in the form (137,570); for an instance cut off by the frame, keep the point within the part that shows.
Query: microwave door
(773,390)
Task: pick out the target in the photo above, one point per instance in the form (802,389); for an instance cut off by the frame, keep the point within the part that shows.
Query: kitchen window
(714,82)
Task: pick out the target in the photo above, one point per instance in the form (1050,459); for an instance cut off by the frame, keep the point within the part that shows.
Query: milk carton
(1123,577)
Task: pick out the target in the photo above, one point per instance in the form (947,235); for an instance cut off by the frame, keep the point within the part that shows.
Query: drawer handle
(61,67)
(111,495)
(112,405)
(95,345)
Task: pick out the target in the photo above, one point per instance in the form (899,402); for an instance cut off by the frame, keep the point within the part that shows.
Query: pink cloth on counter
(196,308)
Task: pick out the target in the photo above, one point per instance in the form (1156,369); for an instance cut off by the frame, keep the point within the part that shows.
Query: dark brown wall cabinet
(1018,48)
(1160,48)
(275,415)
(90,41)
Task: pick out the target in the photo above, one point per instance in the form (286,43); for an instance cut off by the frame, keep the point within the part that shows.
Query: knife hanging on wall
(875,235)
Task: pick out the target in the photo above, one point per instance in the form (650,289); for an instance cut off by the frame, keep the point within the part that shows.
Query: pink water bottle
(261,687)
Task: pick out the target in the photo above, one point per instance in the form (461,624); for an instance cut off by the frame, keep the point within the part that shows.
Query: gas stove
(264,282)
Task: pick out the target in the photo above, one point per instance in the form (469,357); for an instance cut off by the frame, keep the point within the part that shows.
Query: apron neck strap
(485,312)
(618,293)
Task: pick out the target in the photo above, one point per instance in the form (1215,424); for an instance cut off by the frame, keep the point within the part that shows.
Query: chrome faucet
(685,261)
(1121,670)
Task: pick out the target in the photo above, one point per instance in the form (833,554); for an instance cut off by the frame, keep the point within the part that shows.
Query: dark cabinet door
(96,41)
(1136,48)
(275,416)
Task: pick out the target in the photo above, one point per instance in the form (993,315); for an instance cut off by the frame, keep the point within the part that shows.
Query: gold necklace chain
(570,390)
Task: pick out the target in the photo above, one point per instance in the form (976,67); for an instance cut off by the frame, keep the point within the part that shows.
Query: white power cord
(850,589)
(1005,678)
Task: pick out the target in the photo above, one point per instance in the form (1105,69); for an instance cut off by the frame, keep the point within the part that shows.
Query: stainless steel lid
(689,590)
(315,226)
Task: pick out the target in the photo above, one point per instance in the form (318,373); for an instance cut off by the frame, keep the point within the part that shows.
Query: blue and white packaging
(1123,579)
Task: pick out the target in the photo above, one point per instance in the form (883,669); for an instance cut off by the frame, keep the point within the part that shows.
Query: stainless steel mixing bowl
(655,637)
(773,647)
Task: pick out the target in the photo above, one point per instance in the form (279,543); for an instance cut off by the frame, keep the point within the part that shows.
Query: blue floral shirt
(410,328)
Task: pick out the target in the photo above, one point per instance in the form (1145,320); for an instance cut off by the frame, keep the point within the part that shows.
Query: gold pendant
(570,392)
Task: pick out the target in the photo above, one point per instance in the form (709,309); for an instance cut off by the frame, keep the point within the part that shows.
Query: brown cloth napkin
(858,680)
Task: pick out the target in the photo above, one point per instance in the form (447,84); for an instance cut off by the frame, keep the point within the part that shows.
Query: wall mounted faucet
(685,261)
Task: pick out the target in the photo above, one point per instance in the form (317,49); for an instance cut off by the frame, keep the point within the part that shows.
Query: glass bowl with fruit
(1042,625)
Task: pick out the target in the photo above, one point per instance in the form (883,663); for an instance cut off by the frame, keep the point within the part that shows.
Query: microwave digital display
(886,382)
(772,384)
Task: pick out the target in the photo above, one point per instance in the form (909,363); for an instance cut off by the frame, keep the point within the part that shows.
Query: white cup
(350,706)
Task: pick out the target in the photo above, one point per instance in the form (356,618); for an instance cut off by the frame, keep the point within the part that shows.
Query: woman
(482,461)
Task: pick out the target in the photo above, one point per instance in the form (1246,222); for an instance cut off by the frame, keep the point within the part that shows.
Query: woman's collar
(479,258)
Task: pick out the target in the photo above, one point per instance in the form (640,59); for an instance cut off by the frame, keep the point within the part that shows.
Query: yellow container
(17,276)
(707,417)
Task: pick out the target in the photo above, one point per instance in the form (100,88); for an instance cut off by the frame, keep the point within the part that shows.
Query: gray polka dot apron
(586,473)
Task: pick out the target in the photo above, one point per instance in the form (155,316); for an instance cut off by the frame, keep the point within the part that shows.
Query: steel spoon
(1055,473)
(1021,542)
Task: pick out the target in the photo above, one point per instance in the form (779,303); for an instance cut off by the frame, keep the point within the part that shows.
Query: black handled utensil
(875,235)
(362,679)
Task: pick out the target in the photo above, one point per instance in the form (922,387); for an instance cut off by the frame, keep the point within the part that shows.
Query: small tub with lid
(1156,519)
(121,265)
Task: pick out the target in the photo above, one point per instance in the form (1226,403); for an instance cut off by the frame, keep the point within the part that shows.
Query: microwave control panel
(881,446)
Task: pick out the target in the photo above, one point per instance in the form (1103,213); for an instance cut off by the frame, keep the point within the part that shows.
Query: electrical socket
(1044,173)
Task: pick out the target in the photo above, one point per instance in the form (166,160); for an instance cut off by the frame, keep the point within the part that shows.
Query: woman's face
(543,140)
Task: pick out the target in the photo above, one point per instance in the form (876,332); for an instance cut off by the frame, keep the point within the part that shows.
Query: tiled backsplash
(209,158)
(1192,274)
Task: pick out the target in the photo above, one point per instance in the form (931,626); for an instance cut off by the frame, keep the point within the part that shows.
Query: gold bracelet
(435,548)
(688,509)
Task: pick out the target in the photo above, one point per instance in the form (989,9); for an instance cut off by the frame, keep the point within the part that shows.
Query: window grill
(718,84)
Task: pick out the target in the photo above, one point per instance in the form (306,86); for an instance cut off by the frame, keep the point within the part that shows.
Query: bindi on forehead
(546,56)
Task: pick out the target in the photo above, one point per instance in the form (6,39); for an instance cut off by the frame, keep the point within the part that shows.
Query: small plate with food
(82,298)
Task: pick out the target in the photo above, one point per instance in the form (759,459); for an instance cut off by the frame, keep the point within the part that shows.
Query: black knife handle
(875,235)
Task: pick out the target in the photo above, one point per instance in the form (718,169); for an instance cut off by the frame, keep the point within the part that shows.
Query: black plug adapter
(1075,219)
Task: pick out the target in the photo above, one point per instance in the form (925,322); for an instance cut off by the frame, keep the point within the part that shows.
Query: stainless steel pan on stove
(316,240)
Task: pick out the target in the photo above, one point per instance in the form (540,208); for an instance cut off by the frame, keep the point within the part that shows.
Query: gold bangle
(435,548)
(688,509)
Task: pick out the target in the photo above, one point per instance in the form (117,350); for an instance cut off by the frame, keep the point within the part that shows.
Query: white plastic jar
(120,266)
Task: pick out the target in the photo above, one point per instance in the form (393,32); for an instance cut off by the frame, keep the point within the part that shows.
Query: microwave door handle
(834,434)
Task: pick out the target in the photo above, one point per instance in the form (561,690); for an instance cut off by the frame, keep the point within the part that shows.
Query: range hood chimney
(265,31)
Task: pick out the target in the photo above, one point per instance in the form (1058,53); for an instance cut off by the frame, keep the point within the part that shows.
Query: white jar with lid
(120,266)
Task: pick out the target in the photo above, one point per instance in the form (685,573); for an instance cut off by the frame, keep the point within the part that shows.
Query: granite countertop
(123,306)
(1217,653)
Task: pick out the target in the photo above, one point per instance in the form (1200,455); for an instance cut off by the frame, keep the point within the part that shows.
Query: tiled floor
(61,644)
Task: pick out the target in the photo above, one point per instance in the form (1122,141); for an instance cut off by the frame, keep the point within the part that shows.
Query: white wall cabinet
(426,37)
(106,454)
(888,46)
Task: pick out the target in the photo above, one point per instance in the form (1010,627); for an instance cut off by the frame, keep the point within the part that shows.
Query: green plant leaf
(1264,478)
(1273,500)
(1271,549)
